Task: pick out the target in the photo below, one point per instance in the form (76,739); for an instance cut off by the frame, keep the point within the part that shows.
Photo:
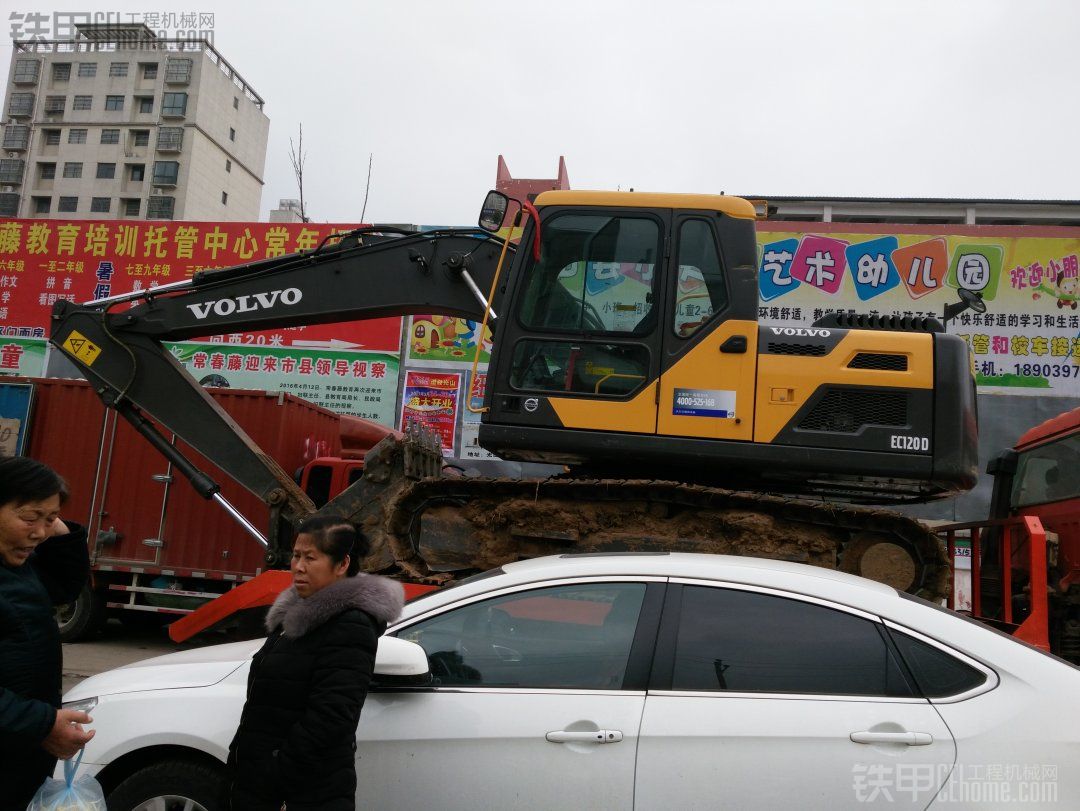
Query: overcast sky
(938,98)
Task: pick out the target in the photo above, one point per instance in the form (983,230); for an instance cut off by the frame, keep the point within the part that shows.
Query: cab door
(581,350)
(708,357)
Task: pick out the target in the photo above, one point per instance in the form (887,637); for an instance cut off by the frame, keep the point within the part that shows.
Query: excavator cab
(632,333)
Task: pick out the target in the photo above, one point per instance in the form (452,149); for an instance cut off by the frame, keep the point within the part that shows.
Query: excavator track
(441,528)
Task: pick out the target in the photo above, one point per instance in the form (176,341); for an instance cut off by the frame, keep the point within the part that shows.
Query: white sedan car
(641,681)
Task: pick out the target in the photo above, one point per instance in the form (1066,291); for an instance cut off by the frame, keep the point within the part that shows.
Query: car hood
(199,667)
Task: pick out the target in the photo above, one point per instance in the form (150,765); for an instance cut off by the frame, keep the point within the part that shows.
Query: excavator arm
(116,343)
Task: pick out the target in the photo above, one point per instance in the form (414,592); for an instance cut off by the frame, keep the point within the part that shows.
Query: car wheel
(172,786)
(82,618)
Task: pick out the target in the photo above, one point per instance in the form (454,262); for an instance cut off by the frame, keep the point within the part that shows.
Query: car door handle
(593,736)
(909,738)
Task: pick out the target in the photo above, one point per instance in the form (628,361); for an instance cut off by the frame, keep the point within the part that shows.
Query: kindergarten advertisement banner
(1027,341)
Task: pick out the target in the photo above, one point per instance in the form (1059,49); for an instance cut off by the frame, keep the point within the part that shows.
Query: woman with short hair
(43,563)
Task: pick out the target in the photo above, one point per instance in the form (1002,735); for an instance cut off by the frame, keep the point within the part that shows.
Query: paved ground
(117,646)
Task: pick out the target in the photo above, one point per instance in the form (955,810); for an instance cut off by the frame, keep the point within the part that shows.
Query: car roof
(800,578)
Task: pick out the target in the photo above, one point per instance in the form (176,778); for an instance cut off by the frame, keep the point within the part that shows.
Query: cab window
(596,274)
(700,288)
(1048,473)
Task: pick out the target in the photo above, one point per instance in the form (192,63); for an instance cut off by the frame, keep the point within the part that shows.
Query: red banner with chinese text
(42,261)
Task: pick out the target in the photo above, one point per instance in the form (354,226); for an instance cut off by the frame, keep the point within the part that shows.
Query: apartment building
(119,123)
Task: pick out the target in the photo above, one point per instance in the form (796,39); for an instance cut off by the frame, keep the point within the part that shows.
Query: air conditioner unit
(13,154)
(9,189)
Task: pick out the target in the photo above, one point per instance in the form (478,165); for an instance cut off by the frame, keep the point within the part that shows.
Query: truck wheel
(82,618)
(172,784)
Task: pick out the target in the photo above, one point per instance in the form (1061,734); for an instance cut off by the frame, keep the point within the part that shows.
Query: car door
(763,699)
(537,702)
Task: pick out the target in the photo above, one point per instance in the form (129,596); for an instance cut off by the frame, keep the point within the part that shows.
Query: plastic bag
(69,794)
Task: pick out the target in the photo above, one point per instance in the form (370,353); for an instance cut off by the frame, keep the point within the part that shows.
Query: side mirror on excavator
(969,300)
(493,211)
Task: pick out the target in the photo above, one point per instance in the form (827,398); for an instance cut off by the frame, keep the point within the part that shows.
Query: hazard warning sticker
(81,348)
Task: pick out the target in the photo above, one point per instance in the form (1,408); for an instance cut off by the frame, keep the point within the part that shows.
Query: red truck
(1025,559)
(158,550)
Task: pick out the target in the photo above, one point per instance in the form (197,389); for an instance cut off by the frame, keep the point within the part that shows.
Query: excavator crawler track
(440,529)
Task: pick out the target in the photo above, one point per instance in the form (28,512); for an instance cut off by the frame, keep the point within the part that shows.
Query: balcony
(16,137)
(9,204)
(21,104)
(12,171)
(26,71)
(165,173)
(177,71)
(170,139)
(159,207)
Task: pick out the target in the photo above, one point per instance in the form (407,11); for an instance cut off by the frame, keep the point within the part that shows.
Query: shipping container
(158,550)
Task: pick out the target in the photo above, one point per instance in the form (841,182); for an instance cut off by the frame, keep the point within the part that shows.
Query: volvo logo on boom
(805,332)
(246,304)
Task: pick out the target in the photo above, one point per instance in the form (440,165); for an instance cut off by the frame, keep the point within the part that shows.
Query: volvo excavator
(627,350)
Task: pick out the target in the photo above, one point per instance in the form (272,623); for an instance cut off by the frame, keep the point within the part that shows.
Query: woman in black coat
(43,563)
(297,738)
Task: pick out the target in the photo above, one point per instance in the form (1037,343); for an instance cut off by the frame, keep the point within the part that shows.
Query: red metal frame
(1023,546)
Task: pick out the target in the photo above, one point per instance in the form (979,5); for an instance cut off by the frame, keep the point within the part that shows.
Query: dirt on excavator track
(439,529)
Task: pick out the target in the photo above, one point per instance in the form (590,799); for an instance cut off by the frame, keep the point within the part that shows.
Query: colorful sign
(43,261)
(1027,341)
(437,339)
(431,399)
(470,421)
(363,384)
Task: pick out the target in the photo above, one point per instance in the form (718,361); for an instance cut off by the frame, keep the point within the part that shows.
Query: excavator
(626,350)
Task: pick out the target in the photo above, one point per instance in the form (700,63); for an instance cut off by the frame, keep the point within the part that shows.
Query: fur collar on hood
(380,597)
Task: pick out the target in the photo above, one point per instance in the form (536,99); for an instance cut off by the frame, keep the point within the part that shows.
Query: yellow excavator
(627,349)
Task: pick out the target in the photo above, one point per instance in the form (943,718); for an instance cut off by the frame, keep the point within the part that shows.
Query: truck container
(157,549)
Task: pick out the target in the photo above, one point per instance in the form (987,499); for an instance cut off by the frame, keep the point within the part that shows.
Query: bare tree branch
(367,187)
(298,158)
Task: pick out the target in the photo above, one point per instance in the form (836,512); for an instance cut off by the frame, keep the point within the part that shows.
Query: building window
(16,136)
(55,104)
(174,104)
(87,70)
(11,170)
(136,172)
(46,171)
(42,205)
(61,71)
(82,102)
(224,198)
(141,137)
(160,208)
(149,70)
(114,102)
(178,71)
(166,172)
(110,136)
(100,205)
(68,204)
(9,204)
(26,71)
(228,165)
(170,139)
(73,169)
(21,104)
(118,69)
(77,136)
(145,104)
(52,137)
(131,208)
(106,171)
(232,134)
(236,102)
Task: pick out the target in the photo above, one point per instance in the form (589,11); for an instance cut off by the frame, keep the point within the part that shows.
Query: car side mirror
(400,663)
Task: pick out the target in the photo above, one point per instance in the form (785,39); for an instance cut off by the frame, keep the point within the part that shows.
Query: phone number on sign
(1046,370)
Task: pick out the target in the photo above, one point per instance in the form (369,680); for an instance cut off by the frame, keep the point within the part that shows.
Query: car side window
(742,641)
(936,673)
(571,637)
